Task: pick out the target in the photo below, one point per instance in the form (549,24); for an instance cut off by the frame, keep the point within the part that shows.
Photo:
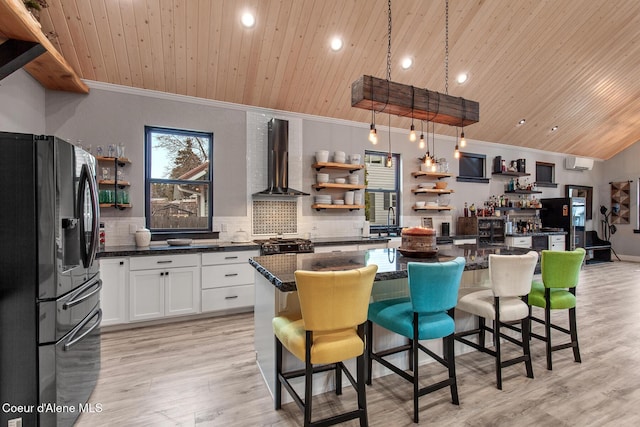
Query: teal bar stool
(557,291)
(510,277)
(426,315)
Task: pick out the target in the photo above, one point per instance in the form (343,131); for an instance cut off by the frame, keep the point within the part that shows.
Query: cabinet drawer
(219,276)
(556,239)
(239,257)
(165,261)
(227,298)
(520,242)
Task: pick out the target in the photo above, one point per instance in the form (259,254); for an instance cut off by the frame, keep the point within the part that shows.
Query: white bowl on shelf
(432,204)
(338,202)
(354,179)
(340,180)
(322,156)
(322,178)
(420,204)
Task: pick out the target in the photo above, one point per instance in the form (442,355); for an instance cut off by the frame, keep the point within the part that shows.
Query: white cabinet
(519,241)
(372,246)
(335,248)
(557,242)
(114,273)
(164,286)
(227,280)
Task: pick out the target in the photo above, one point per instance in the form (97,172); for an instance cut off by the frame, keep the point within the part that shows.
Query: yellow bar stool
(426,315)
(557,291)
(333,307)
(510,277)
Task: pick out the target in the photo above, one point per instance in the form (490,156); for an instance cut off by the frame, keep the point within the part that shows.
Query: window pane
(179,206)
(380,177)
(176,156)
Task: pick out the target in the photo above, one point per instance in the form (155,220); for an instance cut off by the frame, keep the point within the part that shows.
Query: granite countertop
(349,240)
(536,233)
(132,250)
(279,269)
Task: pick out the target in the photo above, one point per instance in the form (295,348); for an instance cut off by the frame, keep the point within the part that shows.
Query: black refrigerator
(569,214)
(49,280)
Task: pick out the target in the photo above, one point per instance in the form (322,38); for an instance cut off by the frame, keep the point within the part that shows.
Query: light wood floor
(203,373)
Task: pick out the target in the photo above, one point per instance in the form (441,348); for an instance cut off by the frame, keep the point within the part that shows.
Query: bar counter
(275,294)
(279,269)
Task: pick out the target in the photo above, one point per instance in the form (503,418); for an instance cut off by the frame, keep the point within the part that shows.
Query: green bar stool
(557,291)
(426,315)
(328,331)
(510,277)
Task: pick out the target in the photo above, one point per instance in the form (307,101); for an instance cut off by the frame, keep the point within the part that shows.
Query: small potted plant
(35,6)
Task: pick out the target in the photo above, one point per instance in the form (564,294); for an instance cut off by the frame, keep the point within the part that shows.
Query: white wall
(623,167)
(114,114)
(111,115)
(22,104)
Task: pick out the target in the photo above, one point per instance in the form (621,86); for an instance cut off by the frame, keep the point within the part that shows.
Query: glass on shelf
(106,174)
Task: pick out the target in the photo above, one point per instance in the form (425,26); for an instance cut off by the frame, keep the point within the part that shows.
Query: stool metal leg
(278,387)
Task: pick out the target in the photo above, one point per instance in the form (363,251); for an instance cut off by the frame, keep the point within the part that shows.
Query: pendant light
(412,131)
(456,152)
(463,142)
(373,135)
(421,144)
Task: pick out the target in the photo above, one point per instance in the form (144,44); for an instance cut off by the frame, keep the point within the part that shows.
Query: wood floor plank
(203,373)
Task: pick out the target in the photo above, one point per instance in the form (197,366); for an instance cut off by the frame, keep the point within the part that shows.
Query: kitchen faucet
(390,219)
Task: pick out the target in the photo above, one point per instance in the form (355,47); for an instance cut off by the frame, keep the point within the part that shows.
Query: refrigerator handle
(87,179)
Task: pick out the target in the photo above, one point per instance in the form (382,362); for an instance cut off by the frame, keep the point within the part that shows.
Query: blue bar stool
(426,315)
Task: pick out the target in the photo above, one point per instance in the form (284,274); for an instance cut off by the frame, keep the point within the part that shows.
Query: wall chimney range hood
(278,162)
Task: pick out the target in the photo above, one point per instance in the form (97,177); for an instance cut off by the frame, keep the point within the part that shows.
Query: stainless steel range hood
(278,162)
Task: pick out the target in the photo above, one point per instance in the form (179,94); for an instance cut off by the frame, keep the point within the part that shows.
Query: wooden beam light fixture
(386,96)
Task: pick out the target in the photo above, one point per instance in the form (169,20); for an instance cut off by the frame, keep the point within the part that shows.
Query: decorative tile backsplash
(275,217)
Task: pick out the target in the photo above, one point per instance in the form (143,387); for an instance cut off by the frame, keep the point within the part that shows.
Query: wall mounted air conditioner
(578,163)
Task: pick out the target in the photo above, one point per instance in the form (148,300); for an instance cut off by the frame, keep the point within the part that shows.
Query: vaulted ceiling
(574,64)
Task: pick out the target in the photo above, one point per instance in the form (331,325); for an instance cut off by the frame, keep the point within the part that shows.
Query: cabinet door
(113,297)
(182,291)
(146,288)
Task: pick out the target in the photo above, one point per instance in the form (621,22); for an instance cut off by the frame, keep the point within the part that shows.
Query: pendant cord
(446,47)
(389,44)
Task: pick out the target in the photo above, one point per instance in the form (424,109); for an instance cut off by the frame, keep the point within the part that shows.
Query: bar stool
(510,277)
(334,311)
(557,291)
(426,315)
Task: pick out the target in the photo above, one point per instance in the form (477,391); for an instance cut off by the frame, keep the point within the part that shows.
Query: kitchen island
(276,294)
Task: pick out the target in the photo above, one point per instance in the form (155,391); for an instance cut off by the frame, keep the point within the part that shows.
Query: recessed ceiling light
(248,20)
(555,128)
(336,44)
(406,63)
(462,77)
(522,121)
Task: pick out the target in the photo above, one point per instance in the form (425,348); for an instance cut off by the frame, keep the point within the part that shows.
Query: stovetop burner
(281,245)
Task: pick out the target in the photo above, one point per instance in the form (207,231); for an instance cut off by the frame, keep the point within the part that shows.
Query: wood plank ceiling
(572,63)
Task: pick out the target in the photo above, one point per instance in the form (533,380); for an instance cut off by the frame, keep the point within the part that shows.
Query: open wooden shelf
(432,208)
(319,206)
(122,160)
(432,190)
(118,205)
(50,69)
(322,185)
(509,173)
(342,166)
(523,192)
(437,175)
(113,182)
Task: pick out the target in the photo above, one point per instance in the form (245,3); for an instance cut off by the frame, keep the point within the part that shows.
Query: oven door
(69,371)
